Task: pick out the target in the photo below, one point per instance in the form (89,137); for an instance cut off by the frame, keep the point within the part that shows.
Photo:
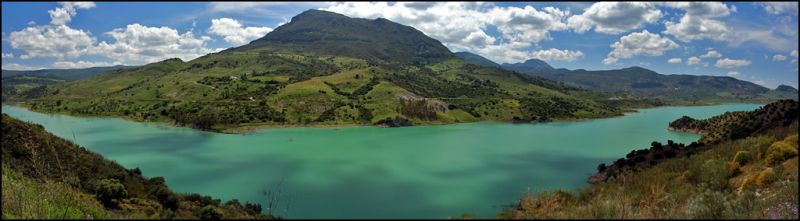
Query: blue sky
(749,41)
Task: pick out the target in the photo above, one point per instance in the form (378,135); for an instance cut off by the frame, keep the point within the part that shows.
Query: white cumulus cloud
(711,54)
(698,21)
(731,63)
(79,64)
(556,54)
(779,57)
(463,26)
(8,55)
(777,8)
(19,67)
(142,44)
(674,61)
(64,14)
(639,43)
(693,61)
(234,33)
(615,17)
(58,41)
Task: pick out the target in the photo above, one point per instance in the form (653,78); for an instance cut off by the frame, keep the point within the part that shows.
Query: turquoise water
(370,172)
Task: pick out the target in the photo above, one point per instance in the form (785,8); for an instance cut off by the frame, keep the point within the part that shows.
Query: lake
(371,172)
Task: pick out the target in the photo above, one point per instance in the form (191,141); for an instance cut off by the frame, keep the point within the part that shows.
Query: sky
(750,41)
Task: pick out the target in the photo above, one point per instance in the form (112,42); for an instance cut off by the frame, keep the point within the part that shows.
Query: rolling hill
(16,82)
(638,83)
(65,74)
(322,68)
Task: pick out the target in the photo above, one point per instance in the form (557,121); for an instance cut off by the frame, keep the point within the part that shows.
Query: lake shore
(248,128)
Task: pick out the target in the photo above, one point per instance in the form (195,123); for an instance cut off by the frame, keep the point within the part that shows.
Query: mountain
(64,74)
(47,177)
(476,59)
(322,68)
(328,33)
(529,67)
(786,88)
(638,82)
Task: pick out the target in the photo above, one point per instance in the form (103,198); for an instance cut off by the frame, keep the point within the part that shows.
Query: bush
(779,152)
(715,174)
(211,212)
(748,182)
(742,158)
(109,190)
(709,205)
(766,177)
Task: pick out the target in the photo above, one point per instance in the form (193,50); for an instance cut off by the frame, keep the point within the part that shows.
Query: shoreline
(249,128)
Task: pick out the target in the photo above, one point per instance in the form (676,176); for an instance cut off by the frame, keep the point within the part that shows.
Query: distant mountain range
(322,68)
(638,82)
(16,82)
(64,74)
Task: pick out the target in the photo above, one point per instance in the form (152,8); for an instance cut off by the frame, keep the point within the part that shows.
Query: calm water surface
(370,172)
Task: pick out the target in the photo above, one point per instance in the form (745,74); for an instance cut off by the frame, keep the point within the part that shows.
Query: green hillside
(17,82)
(476,59)
(46,177)
(318,70)
(752,176)
(734,125)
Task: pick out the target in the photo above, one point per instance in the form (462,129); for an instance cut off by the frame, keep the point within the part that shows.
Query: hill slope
(322,68)
(17,82)
(734,125)
(476,59)
(46,177)
(65,74)
(753,176)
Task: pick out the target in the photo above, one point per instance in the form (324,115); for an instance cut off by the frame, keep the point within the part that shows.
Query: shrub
(791,140)
(766,177)
(748,182)
(709,205)
(779,152)
(211,212)
(742,158)
(108,190)
(601,167)
(715,174)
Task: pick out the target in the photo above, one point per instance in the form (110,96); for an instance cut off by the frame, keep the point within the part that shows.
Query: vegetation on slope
(734,125)
(476,59)
(330,78)
(18,82)
(752,177)
(46,177)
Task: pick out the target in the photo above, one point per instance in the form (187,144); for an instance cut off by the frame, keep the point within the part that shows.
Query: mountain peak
(786,88)
(329,33)
(317,14)
(532,65)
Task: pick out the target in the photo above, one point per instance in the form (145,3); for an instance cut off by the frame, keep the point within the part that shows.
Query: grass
(26,198)
(707,185)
